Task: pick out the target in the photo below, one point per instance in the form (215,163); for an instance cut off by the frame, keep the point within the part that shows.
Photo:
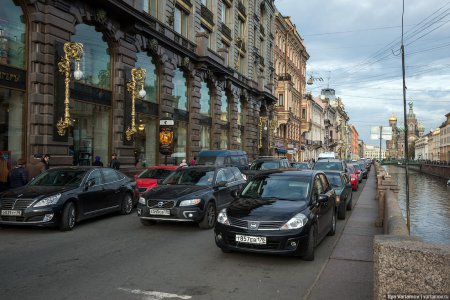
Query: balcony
(241,8)
(225,30)
(240,44)
(207,15)
(285,77)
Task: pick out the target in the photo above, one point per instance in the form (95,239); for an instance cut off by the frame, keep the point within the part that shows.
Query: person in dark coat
(115,164)
(97,162)
(34,167)
(46,161)
(18,175)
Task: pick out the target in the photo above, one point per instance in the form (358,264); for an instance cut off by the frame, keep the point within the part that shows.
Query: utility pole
(381,137)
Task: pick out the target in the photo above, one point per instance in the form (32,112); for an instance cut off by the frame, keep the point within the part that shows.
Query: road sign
(385,134)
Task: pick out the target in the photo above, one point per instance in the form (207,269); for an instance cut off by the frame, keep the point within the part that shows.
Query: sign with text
(166,132)
(383,132)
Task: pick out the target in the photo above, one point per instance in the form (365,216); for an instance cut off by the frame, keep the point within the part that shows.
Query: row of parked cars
(267,207)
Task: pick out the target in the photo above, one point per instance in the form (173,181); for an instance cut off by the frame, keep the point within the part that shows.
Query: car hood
(35,192)
(173,192)
(264,209)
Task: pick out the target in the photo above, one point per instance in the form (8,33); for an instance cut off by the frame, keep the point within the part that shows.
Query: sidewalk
(349,271)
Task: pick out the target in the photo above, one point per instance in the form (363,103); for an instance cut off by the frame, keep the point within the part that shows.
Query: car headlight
(222,217)
(298,221)
(244,176)
(141,200)
(190,202)
(48,201)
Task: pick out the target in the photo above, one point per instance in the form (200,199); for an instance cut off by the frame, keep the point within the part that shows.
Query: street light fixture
(137,79)
(71,51)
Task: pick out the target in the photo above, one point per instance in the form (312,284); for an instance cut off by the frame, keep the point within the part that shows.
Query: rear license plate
(11,212)
(160,212)
(259,240)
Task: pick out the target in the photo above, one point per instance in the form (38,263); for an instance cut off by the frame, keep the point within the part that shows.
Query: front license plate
(11,212)
(160,212)
(259,240)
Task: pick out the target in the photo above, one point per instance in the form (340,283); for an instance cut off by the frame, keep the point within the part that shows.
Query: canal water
(429,203)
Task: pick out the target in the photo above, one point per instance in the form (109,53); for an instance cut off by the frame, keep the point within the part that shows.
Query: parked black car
(263,163)
(65,195)
(340,181)
(279,212)
(192,194)
(330,165)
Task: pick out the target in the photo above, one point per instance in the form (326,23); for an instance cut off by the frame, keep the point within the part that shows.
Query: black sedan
(280,212)
(340,181)
(192,194)
(65,195)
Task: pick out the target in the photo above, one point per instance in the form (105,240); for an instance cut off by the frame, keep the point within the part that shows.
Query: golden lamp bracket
(137,80)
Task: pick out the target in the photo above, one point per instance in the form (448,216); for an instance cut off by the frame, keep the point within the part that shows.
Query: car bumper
(43,216)
(177,214)
(282,242)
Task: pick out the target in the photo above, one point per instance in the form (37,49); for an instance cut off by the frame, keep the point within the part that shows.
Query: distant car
(219,158)
(300,165)
(330,165)
(354,179)
(151,176)
(359,172)
(279,212)
(264,163)
(340,181)
(63,196)
(191,194)
(326,155)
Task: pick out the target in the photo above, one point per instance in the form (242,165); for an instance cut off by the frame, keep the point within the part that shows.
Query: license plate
(11,212)
(160,212)
(259,240)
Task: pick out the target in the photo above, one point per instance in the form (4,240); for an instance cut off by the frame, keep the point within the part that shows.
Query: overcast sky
(354,46)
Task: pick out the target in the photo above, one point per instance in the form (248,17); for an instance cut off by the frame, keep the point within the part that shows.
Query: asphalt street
(115,257)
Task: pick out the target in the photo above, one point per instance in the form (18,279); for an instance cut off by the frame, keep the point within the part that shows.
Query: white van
(326,155)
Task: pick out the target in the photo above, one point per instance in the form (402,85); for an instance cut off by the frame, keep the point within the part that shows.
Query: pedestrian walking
(97,162)
(115,164)
(18,175)
(193,161)
(46,161)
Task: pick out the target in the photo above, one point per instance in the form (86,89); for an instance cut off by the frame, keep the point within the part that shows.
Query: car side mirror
(221,184)
(235,194)
(323,198)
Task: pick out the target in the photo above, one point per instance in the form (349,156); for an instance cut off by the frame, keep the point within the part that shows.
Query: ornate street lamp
(137,79)
(71,51)
(262,125)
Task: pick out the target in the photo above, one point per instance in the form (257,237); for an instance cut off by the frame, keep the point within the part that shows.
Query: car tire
(309,255)
(146,222)
(68,217)
(350,203)
(333,225)
(341,211)
(127,204)
(209,220)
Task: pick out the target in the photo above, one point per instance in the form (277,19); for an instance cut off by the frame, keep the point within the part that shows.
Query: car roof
(221,152)
(163,167)
(332,172)
(329,160)
(289,172)
(269,158)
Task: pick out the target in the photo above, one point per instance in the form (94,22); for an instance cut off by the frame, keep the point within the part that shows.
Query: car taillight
(358,172)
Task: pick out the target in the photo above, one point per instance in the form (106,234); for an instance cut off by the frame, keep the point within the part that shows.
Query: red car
(353,176)
(151,176)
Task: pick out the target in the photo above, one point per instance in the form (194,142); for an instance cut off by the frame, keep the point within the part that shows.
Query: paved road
(115,257)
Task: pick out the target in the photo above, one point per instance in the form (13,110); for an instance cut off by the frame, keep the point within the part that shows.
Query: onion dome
(392,118)
(421,127)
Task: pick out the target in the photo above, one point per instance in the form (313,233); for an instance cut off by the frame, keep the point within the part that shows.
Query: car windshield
(335,180)
(155,173)
(279,187)
(328,165)
(265,165)
(300,165)
(211,160)
(191,177)
(58,177)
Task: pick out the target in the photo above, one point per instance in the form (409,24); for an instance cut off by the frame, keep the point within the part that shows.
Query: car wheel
(333,225)
(146,222)
(209,220)
(127,204)
(68,217)
(341,210)
(309,255)
(350,203)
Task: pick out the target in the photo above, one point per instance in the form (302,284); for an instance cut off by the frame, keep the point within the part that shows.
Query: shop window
(224,107)
(180,142)
(223,139)
(95,62)
(205,100)
(151,80)
(145,152)
(180,90)
(205,133)
(12,35)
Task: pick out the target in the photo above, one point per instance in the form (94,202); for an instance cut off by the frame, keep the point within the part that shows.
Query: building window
(12,35)
(280,99)
(303,113)
(225,13)
(205,133)
(150,7)
(11,127)
(180,141)
(223,139)
(151,79)
(180,24)
(224,107)
(95,62)
(180,90)
(205,100)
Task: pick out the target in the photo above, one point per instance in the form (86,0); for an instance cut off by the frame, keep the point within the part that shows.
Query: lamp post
(137,79)
(71,51)
(262,128)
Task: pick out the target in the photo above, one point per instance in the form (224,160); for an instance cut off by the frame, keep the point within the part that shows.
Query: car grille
(165,204)
(12,219)
(15,203)
(263,225)
(271,245)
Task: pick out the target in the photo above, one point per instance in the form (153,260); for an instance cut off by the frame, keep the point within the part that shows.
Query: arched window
(180,91)
(224,107)
(224,116)
(205,100)
(240,122)
(151,79)
(96,62)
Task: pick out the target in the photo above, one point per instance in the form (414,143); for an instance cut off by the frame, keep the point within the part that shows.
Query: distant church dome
(421,127)
(392,118)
